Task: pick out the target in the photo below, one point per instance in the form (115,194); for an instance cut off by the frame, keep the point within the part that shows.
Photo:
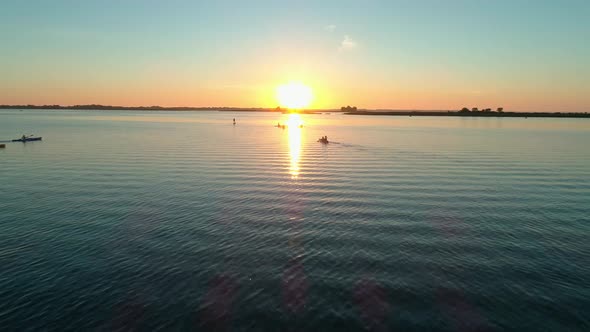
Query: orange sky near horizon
(253,83)
(264,95)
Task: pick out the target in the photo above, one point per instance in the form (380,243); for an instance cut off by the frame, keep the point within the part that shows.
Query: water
(181,221)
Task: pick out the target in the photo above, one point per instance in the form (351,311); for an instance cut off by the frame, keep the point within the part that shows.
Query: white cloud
(348,43)
(330,28)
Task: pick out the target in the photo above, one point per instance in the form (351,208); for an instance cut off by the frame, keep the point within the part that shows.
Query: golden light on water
(294,95)
(294,123)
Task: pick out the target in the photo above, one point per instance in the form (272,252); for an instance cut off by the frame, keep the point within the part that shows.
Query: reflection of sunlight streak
(294,120)
(294,124)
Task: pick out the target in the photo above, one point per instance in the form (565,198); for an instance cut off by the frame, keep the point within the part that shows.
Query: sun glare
(294,95)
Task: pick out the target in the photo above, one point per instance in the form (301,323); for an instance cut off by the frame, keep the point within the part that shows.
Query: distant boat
(323,140)
(27,139)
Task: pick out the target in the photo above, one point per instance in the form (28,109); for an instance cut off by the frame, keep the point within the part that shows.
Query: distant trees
(483,110)
(348,109)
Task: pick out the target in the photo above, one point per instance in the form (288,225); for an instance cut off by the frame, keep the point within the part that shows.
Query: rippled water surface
(182,221)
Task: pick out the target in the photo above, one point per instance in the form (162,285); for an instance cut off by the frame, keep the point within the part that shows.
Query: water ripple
(168,221)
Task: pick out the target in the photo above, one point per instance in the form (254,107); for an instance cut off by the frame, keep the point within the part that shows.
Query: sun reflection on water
(294,123)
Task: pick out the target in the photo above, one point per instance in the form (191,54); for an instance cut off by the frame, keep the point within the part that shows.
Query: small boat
(27,139)
(323,140)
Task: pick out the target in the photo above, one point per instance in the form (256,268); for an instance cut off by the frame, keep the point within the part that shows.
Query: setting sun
(294,95)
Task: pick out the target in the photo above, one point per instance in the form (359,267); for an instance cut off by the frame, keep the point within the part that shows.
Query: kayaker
(24,137)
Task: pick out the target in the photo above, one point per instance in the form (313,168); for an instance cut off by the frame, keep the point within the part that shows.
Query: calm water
(181,221)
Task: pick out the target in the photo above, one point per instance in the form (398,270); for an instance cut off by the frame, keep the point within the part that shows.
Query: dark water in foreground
(180,221)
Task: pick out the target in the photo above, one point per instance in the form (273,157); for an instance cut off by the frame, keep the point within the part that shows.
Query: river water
(182,221)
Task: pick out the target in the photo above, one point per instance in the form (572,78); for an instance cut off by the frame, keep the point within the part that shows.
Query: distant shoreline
(156,108)
(133,108)
(317,111)
(475,114)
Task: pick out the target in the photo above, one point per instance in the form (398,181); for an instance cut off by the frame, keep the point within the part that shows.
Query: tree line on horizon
(116,107)
(483,110)
(348,108)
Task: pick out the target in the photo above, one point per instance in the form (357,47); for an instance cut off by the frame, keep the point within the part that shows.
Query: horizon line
(275,109)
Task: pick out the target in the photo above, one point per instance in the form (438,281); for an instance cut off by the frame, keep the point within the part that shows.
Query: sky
(529,55)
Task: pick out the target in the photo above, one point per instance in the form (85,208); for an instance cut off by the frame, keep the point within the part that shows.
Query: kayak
(28,139)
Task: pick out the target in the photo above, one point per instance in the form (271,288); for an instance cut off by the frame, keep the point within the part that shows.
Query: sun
(294,95)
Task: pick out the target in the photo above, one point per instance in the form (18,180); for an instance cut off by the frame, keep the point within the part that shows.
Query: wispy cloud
(348,44)
(330,28)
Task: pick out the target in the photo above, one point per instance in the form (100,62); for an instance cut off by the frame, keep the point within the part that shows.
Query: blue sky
(523,55)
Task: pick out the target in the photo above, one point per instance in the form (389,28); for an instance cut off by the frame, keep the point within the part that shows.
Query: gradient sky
(522,55)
